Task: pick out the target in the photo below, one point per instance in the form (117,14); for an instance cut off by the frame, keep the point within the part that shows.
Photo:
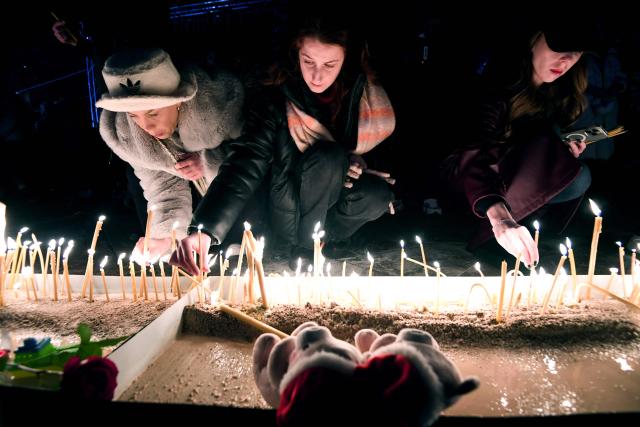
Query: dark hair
(563,100)
(327,30)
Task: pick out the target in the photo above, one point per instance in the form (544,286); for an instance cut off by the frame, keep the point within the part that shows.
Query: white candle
(424,258)
(103,263)
(536,226)
(402,256)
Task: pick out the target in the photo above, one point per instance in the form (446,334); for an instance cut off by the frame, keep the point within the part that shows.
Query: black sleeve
(242,172)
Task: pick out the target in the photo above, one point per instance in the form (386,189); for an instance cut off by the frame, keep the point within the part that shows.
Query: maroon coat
(525,170)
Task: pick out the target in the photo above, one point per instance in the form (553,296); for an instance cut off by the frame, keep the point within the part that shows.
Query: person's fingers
(187,261)
(355,169)
(353,175)
(348,184)
(390,181)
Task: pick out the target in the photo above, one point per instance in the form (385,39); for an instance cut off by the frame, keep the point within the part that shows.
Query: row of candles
(13,263)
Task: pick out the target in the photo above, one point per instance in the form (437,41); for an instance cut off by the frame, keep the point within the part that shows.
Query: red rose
(93,378)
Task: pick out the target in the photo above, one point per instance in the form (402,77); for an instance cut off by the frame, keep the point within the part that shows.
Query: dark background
(56,171)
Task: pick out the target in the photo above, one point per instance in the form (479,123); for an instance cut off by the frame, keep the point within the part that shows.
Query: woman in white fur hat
(168,125)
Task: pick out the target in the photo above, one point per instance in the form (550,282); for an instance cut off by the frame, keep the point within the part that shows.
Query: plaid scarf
(376,121)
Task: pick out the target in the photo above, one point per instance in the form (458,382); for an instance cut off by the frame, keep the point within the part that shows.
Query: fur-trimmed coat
(204,122)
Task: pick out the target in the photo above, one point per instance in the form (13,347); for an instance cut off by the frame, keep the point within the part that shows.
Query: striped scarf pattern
(376,121)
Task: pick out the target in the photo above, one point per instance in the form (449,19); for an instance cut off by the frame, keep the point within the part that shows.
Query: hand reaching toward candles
(358,166)
(513,237)
(183,255)
(190,166)
(576,147)
(155,249)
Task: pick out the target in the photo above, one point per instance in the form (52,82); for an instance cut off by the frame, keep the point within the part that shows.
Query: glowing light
(563,249)
(536,225)
(594,208)
(104,262)
(567,242)
(419,240)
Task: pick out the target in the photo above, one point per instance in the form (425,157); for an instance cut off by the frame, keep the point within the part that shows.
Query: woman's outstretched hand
(190,166)
(183,256)
(513,237)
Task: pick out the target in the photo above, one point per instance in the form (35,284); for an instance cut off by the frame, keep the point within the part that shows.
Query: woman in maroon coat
(519,163)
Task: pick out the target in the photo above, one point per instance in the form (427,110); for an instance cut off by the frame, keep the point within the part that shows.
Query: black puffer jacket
(266,150)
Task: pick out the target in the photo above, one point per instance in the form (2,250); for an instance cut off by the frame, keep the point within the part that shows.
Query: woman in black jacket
(307,137)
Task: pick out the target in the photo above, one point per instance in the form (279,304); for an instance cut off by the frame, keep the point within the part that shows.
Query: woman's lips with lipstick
(556,71)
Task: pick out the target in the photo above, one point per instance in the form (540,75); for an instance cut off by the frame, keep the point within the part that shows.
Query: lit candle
(614,272)
(344,268)
(536,237)
(401,258)
(50,257)
(175,284)
(622,272)
(65,268)
(316,236)
(153,280)
(516,270)
(58,254)
(572,266)
(96,232)
(436,264)
(201,253)
(104,280)
(370,258)
(597,229)
(503,281)
(424,258)
(545,303)
(477,268)
(120,258)
(132,273)
(633,267)
(164,279)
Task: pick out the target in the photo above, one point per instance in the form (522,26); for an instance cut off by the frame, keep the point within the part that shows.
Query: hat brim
(186,91)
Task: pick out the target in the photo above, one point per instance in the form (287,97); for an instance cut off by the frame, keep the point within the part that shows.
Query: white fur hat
(143,79)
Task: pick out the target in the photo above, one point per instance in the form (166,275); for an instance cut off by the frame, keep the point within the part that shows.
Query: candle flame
(23,230)
(563,271)
(227,254)
(404,255)
(321,234)
(200,227)
(247,226)
(61,241)
(310,268)
(26,243)
(596,210)
(66,253)
(70,244)
(477,266)
(542,271)
(102,218)
(11,244)
(402,244)
(121,257)
(567,242)
(369,257)
(613,270)
(165,258)
(152,207)
(436,264)
(175,225)
(619,243)
(52,244)
(419,240)
(285,273)
(34,246)
(316,227)
(104,262)
(536,225)
(563,249)
(328,267)
(354,274)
